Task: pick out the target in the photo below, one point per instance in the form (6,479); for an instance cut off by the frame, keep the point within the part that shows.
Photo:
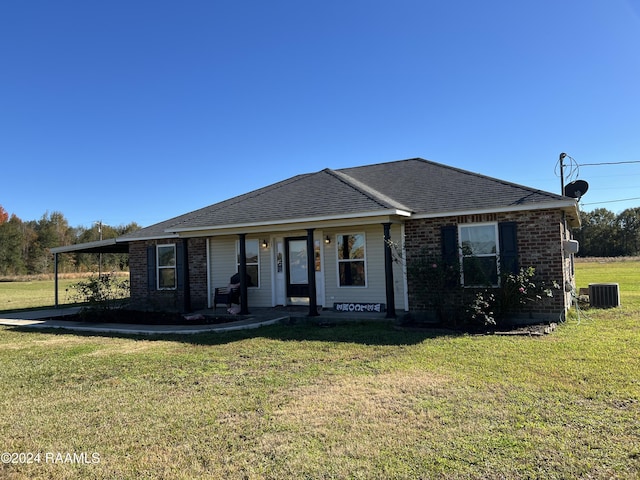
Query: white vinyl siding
(223,254)
(375,290)
(223,264)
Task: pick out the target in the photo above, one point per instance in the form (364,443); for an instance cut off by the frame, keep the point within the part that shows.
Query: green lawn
(30,293)
(624,272)
(34,293)
(351,401)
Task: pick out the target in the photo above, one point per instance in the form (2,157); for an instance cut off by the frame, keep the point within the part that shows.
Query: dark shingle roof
(428,187)
(417,186)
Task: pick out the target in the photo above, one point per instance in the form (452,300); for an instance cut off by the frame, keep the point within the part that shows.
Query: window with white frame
(480,253)
(252,247)
(166,267)
(351,260)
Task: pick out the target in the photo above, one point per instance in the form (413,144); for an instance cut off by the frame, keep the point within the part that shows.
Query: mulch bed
(145,318)
(174,318)
(532,330)
(537,330)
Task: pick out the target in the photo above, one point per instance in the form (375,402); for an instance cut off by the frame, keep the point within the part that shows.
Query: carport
(110,245)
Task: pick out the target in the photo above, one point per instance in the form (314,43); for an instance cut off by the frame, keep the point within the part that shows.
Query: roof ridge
(372,193)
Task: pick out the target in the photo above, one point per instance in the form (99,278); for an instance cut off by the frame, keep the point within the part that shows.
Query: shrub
(436,287)
(490,306)
(437,281)
(103,292)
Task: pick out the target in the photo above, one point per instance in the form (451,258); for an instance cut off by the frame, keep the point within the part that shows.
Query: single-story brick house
(348,219)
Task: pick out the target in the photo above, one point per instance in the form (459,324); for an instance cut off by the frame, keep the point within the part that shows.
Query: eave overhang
(163,236)
(325,221)
(570,207)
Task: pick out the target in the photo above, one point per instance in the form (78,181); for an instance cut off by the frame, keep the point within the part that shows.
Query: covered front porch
(315,268)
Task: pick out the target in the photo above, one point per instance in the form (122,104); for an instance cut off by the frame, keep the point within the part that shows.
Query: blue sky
(127,111)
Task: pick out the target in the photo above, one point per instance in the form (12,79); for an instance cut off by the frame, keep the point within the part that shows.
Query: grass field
(351,401)
(30,292)
(622,271)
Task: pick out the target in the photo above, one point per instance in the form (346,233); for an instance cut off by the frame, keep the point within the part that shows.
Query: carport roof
(110,245)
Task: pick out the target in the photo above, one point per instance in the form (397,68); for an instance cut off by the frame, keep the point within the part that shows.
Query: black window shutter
(180,265)
(151,267)
(449,244)
(508,247)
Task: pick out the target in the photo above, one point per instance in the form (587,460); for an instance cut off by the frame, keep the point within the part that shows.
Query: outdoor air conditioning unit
(604,295)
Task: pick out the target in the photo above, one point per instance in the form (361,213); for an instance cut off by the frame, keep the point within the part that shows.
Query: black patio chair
(229,295)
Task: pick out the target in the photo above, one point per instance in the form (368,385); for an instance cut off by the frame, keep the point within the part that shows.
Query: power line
(606,163)
(612,201)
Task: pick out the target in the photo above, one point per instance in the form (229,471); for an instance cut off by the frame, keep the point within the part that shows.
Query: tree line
(605,234)
(25,245)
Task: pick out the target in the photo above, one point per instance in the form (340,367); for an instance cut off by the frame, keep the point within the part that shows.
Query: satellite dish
(576,189)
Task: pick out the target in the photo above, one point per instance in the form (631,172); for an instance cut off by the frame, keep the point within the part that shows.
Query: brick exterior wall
(539,238)
(147,297)
(198,273)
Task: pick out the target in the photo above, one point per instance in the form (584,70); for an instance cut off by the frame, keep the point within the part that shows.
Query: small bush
(104,292)
(516,291)
(436,287)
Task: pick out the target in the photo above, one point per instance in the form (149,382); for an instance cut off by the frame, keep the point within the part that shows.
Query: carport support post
(242,270)
(55,279)
(388,271)
(311,273)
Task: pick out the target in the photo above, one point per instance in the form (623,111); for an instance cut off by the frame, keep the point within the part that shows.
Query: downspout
(568,278)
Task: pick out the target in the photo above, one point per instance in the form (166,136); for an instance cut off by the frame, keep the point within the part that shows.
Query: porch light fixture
(327,240)
(265,244)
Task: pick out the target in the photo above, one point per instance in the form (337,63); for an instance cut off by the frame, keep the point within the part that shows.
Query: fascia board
(293,221)
(290,228)
(151,237)
(82,246)
(563,205)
